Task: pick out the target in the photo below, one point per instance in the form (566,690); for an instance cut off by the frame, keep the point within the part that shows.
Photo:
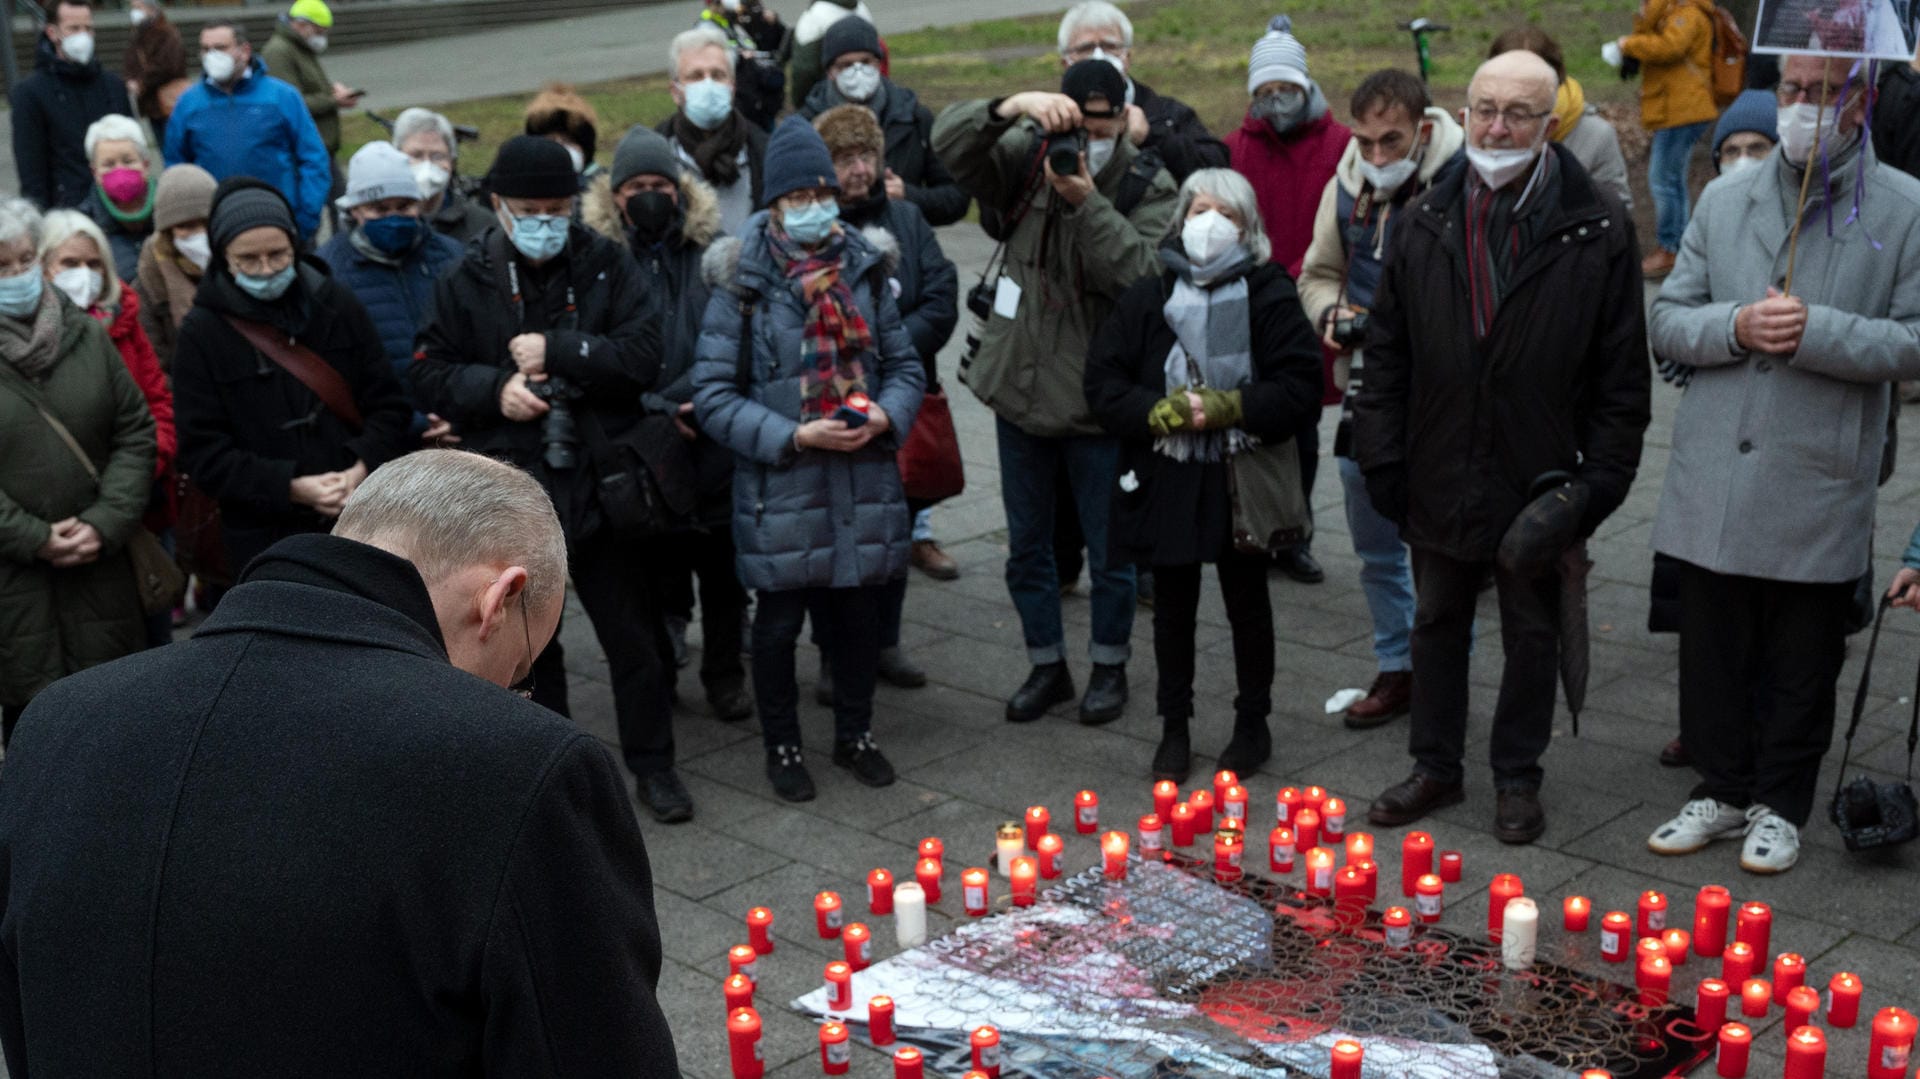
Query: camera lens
(1063,155)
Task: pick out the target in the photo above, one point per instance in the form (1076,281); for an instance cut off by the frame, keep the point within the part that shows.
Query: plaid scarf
(836,338)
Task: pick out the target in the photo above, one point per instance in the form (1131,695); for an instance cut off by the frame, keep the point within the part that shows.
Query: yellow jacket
(1673,40)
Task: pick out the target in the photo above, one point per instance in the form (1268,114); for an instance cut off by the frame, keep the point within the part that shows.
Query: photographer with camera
(539,351)
(1400,143)
(1082,210)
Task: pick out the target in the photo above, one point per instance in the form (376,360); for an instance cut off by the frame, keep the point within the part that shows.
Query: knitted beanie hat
(243,203)
(530,167)
(851,34)
(1753,110)
(1278,57)
(796,159)
(378,171)
(643,152)
(184,193)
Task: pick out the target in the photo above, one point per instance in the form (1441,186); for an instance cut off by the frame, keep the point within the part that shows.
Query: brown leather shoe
(1391,695)
(1675,755)
(929,559)
(1657,265)
(1517,817)
(1413,798)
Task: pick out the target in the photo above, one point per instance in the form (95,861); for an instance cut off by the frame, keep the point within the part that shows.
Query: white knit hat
(378,171)
(1278,57)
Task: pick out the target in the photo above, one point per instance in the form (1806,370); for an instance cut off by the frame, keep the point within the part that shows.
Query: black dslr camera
(1871,814)
(1351,332)
(1063,154)
(559,430)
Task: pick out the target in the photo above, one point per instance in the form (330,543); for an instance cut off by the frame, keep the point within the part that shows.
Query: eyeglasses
(524,687)
(441,159)
(261,265)
(1086,49)
(1514,116)
(1792,93)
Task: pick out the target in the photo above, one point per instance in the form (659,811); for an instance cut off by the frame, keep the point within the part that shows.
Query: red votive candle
(1224,778)
(1021,881)
(1396,927)
(1575,910)
(1843,1000)
(1228,848)
(1801,1002)
(1648,947)
(1350,883)
(1710,1004)
(1451,863)
(743,1044)
(973,891)
(1428,898)
(1504,887)
(739,991)
(985,1042)
(1738,963)
(1314,798)
(1183,825)
(1152,838)
(1754,925)
(1234,805)
(1113,853)
(1359,846)
(1891,1045)
(1372,869)
(1038,822)
(1333,818)
(1710,909)
(879,892)
(835,1052)
(1755,996)
(908,1063)
(1202,803)
(1806,1053)
(857,941)
(760,931)
(1614,928)
(1165,793)
(1654,978)
(880,1020)
(826,915)
(1306,828)
(1280,849)
(1416,860)
(1319,871)
(927,872)
(1086,812)
(1050,847)
(1789,970)
(1736,1044)
(743,960)
(1676,941)
(933,848)
(1652,919)
(839,987)
(1347,1056)
(1286,803)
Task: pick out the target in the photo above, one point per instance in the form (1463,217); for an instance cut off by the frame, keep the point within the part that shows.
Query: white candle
(909,914)
(1519,929)
(1009,842)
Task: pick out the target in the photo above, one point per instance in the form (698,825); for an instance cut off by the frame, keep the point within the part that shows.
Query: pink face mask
(126,187)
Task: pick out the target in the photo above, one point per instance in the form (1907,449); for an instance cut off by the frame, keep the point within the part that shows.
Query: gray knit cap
(184,193)
(1278,57)
(643,152)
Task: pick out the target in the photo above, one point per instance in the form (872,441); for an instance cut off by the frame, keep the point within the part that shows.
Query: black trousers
(1447,590)
(679,558)
(1243,585)
(616,590)
(1737,635)
(1307,442)
(848,621)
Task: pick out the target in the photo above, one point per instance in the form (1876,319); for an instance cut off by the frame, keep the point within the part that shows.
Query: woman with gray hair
(76,464)
(121,201)
(428,140)
(1206,360)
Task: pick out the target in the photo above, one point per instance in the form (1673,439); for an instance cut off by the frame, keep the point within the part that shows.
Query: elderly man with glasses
(1769,496)
(1515,282)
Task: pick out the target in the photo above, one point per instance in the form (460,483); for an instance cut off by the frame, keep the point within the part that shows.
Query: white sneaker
(1700,822)
(1773,845)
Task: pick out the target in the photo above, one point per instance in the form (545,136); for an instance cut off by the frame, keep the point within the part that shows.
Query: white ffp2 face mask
(78,47)
(1207,236)
(219,66)
(858,82)
(1389,178)
(1498,168)
(82,284)
(1099,152)
(197,248)
(1804,126)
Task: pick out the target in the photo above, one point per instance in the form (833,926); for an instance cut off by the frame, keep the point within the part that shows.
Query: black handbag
(645,480)
(1871,814)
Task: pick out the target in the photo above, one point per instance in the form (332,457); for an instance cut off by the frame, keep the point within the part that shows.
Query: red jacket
(144,365)
(1289,174)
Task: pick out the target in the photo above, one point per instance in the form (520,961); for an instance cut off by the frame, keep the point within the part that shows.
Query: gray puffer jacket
(803,518)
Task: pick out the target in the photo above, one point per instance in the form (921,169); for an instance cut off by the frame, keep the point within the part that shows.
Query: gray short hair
(1229,189)
(418,121)
(19,220)
(1094,14)
(116,128)
(446,510)
(59,226)
(696,39)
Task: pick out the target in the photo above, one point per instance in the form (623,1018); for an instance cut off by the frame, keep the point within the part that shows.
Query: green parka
(54,622)
(290,59)
(1069,263)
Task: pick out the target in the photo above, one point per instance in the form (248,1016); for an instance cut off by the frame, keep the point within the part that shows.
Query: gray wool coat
(1775,458)
(804,518)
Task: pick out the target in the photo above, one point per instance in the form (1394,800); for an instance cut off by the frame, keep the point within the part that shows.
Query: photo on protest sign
(1864,29)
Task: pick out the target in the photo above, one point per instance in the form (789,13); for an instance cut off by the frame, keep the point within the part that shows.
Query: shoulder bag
(1871,814)
(1270,511)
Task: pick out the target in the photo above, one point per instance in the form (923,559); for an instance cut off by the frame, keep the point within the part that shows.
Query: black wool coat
(322,850)
(1180,513)
(52,109)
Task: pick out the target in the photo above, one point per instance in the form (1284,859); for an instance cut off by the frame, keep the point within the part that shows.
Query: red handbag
(930,468)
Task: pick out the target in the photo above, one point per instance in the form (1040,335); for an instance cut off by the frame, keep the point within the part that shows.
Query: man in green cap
(293,54)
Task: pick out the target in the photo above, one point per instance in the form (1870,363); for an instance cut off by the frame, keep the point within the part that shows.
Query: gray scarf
(34,347)
(1211,321)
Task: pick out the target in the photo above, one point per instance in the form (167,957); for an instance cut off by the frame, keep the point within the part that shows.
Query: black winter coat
(304,844)
(247,427)
(1181,514)
(609,352)
(1560,383)
(1175,131)
(1896,119)
(909,153)
(928,283)
(52,109)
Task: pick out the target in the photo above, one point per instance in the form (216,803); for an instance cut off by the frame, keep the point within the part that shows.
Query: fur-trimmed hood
(699,210)
(720,266)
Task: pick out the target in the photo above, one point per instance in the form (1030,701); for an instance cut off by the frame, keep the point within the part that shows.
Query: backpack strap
(1139,179)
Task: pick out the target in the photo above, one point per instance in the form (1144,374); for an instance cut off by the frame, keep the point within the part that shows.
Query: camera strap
(1860,700)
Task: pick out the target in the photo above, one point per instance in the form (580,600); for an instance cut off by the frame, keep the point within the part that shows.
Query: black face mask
(650,214)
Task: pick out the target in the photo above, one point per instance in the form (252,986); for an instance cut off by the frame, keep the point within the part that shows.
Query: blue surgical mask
(20,294)
(812,223)
(708,103)
(538,236)
(266,289)
(395,234)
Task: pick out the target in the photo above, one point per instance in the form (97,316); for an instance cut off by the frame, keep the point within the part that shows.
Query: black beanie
(241,203)
(530,167)
(851,34)
(1096,78)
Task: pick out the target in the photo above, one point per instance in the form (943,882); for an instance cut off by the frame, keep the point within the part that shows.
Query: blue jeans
(1386,574)
(1667,177)
(1028,467)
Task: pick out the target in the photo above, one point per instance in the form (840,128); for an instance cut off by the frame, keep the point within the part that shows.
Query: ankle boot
(1249,747)
(1174,758)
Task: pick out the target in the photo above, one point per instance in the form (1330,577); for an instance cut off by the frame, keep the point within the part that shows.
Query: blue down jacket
(803,518)
(398,294)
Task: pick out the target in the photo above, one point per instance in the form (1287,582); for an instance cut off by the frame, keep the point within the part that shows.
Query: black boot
(1047,685)
(1174,759)
(1106,695)
(1249,747)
